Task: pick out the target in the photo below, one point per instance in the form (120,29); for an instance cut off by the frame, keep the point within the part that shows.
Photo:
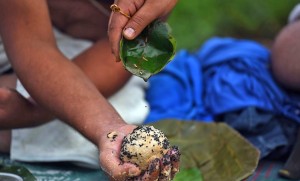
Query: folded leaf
(219,151)
(150,51)
(21,171)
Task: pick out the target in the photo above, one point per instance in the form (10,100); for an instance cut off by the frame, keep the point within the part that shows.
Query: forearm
(62,88)
(99,64)
(53,81)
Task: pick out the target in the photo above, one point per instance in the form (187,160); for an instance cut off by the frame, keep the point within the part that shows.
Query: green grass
(194,21)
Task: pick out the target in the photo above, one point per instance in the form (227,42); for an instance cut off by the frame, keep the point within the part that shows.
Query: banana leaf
(150,51)
(192,174)
(21,171)
(217,150)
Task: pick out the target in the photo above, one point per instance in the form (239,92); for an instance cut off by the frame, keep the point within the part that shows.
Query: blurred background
(194,21)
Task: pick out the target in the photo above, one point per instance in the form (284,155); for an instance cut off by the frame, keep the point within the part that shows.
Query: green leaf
(21,171)
(219,151)
(191,174)
(149,53)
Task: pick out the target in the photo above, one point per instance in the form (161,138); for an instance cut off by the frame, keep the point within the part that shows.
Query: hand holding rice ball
(150,150)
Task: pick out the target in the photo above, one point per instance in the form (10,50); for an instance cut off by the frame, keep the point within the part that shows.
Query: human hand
(109,147)
(141,12)
(159,169)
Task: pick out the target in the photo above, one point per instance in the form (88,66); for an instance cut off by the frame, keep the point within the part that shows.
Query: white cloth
(56,141)
(4,63)
(295,14)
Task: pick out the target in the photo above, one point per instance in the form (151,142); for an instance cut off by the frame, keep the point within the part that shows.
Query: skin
(285,56)
(142,13)
(74,91)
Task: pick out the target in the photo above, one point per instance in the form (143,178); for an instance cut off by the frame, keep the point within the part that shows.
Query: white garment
(4,63)
(295,14)
(57,141)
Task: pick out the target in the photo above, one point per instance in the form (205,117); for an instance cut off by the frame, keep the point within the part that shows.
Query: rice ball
(143,145)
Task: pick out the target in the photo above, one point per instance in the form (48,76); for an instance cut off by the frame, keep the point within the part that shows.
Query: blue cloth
(270,133)
(227,78)
(225,75)
(176,92)
(237,75)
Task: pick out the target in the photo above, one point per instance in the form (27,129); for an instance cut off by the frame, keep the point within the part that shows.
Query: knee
(5,95)
(5,141)
(285,62)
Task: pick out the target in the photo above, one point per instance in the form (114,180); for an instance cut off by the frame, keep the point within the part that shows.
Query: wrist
(114,134)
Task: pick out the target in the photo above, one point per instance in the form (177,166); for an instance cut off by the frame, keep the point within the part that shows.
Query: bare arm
(80,19)
(59,85)
(285,56)
(99,64)
(56,83)
(52,80)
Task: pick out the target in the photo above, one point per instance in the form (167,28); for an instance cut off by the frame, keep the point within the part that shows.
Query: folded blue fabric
(271,134)
(176,92)
(236,75)
(229,79)
(225,75)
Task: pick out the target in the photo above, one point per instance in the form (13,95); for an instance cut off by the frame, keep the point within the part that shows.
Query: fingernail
(129,32)
(166,160)
(132,172)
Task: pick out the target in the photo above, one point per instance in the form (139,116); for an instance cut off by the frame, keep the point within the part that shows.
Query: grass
(194,21)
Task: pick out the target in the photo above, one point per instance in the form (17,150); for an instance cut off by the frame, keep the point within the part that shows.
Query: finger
(115,27)
(152,172)
(145,15)
(111,164)
(166,167)
(118,21)
(175,160)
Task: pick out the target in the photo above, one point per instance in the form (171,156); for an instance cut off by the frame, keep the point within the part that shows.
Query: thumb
(139,21)
(110,163)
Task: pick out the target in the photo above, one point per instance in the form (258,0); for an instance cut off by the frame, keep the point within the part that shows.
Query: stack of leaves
(150,51)
(219,152)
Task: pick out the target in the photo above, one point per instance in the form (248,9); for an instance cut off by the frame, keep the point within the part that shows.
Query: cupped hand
(159,169)
(109,148)
(141,12)
(163,169)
